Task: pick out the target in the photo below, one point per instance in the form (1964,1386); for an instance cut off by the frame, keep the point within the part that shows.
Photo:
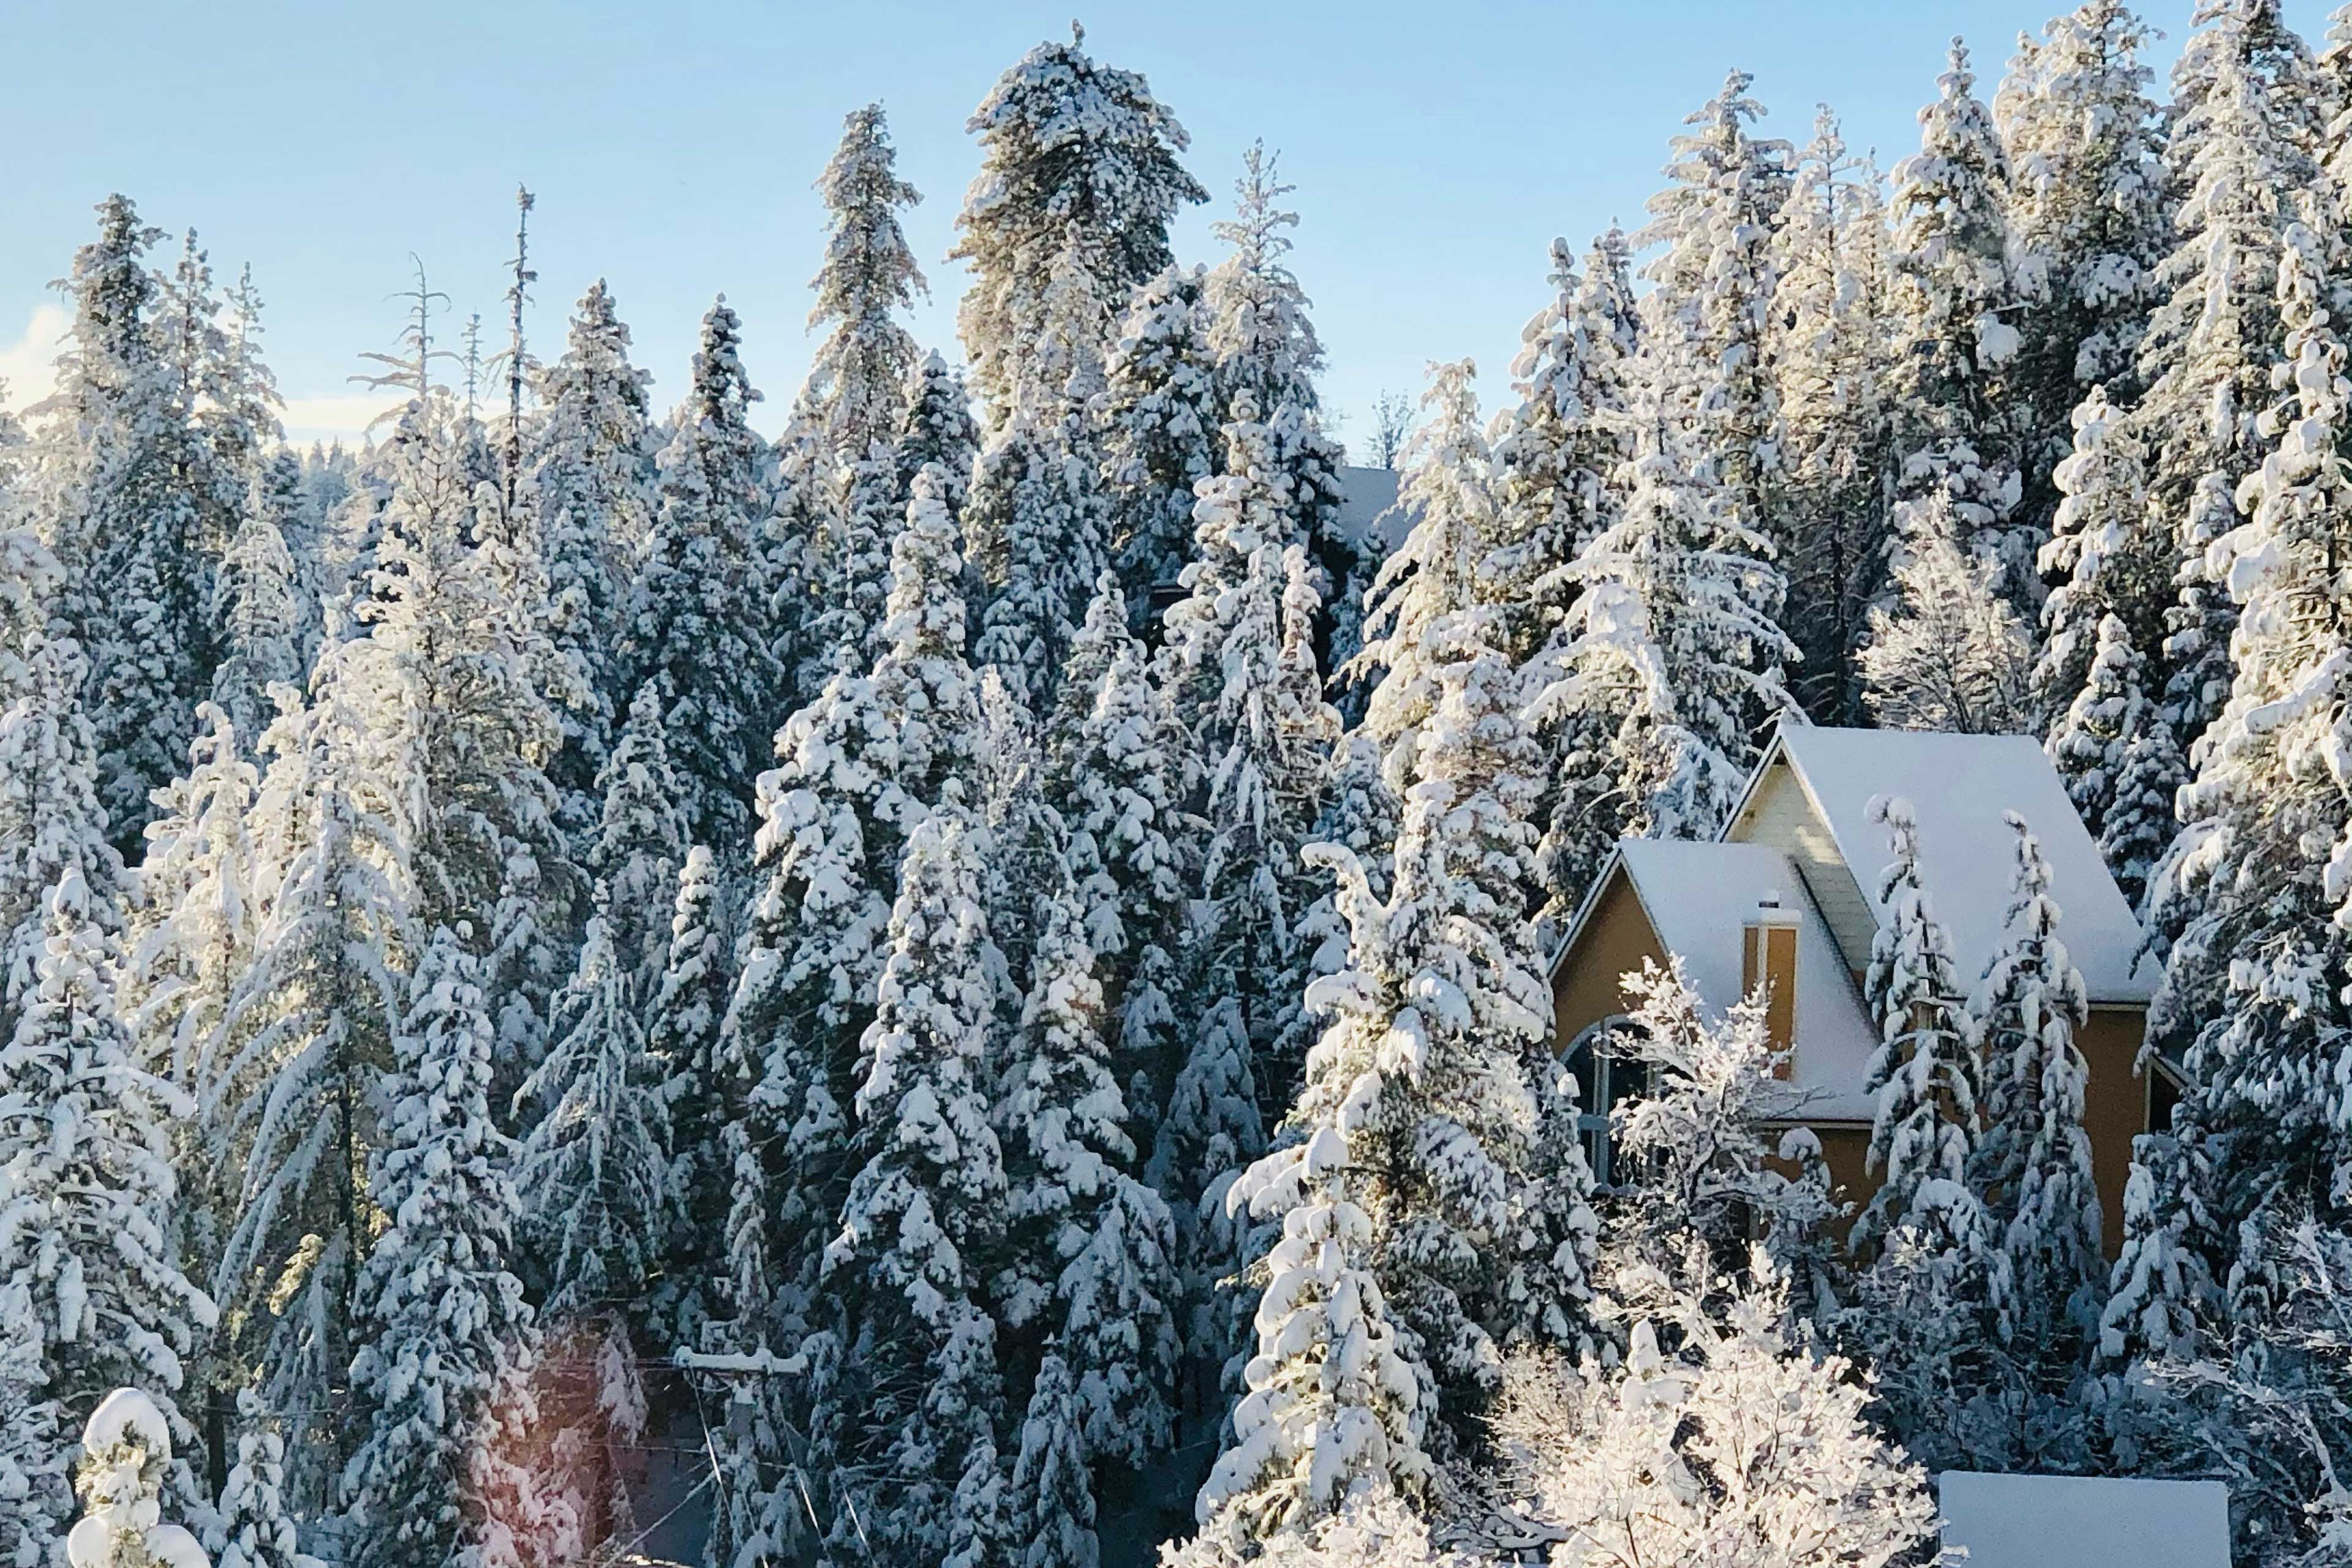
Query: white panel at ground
(2084,1522)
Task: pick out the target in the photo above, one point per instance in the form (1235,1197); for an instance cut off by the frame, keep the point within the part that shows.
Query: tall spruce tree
(122,500)
(439,1381)
(1159,439)
(1828,351)
(698,618)
(1953,306)
(94,1297)
(1715,280)
(907,1429)
(262,602)
(2088,220)
(1671,659)
(1078,173)
(589,486)
(2246,127)
(2034,1162)
(2246,973)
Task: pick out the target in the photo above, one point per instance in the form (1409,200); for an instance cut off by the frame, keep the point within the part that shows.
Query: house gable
(1611,936)
(1695,900)
(1778,812)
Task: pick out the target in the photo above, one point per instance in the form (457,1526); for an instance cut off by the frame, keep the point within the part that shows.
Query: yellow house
(1789,897)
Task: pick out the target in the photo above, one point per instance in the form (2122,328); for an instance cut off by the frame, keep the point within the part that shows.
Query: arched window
(1607,1075)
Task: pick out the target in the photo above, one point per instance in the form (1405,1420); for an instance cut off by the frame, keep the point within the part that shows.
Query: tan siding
(2115,1108)
(1616,938)
(1778,813)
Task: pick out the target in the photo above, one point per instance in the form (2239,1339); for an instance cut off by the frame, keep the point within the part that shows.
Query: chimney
(1768,957)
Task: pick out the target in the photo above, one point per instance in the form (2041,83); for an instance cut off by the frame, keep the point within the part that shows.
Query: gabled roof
(1697,898)
(1959,785)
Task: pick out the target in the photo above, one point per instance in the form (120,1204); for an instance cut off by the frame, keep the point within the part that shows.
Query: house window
(1606,1078)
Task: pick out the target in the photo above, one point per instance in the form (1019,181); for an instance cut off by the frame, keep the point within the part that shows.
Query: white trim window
(1606,1078)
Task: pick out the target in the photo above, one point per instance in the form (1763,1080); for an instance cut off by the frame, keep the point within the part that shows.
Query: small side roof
(2084,1522)
(1959,785)
(1698,896)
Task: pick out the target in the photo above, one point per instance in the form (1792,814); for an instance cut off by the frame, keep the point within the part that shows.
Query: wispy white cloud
(28,371)
(28,363)
(341,418)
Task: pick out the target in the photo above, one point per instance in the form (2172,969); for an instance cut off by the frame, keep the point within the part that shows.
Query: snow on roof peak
(1961,788)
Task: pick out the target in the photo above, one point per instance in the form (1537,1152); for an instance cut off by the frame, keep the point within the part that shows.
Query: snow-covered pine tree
(444,1336)
(1333,1410)
(194,929)
(856,771)
(125,1464)
(1927,1074)
(2246,973)
(1444,568)
(2247,121)
(1077,170)
(189,340)
(848,415)
(91,1291)
(591,490)
(595,1185)
(1443,999)
(253,1529)
(51,825)
(1936,1299)
(1039,517)
(2161,1291)
(1160,418)
(2115,752)
(1238,670)
(640,843)
(2033,1166)
(1089,1248)
(2110,553)
(938,429)
(1112,773)
(262,601)
(1952,310)
(857,382)
(1715,280)
(1669,663)
(238,414)
(1265,345)
(1051,1504)
(595,1176)
(1554,452)
(1950,654)
(906,1432)
(683,1013)
(306,1029)
(121,494)
(1259,331)
(1828,351)
(2088,220)
(487,850)
(698,619)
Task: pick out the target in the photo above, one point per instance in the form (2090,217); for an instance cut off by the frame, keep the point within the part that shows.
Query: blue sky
(1436,147)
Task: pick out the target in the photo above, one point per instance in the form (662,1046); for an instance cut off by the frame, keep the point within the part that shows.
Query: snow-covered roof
(1959,785)
(1371,508)
(2084,1522)
(1699,896)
